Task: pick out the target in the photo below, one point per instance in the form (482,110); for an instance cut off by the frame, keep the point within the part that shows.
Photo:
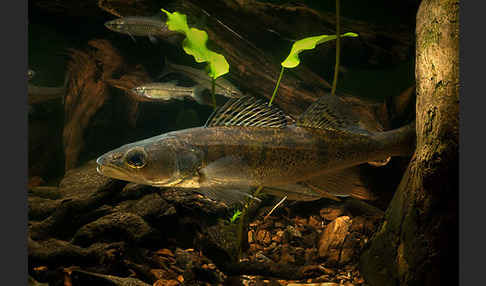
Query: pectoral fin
(226,171)
(152,39)
(132,37)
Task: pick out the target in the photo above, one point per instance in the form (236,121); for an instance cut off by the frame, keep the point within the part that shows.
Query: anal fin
(342,183)
(293,192)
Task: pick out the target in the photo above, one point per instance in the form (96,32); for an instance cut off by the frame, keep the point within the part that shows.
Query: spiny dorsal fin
(331,112)
(247,111)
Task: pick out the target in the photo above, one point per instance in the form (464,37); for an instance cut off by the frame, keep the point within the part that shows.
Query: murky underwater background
(54,32)
(48,40)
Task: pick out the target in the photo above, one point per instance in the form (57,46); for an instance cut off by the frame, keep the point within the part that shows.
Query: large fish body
(255,151)
(152,27)
(241,156)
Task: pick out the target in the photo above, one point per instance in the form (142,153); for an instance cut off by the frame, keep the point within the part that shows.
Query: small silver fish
(166,91)
(151,27)
(222,86)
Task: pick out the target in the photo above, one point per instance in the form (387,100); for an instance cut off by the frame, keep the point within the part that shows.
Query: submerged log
(91,73)
(254,52)
(258,20)
(417,243)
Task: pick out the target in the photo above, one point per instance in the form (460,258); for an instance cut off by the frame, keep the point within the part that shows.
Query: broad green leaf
(176,21)
(308,44)
(218,65)
(195,44)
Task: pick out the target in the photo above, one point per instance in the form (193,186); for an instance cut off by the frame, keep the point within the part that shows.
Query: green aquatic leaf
(176,21)
(308,44)
(235,216)
(195,44)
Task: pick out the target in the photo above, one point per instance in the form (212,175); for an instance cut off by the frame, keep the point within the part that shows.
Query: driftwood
(38,94)
(109,227)
(255,18)
(106,225)
(91,73)
(417,244)
(254,58)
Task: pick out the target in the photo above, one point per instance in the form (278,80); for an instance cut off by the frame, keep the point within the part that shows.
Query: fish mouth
(109,170)
(114,172)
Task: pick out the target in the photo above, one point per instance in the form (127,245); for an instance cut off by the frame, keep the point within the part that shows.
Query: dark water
(49,40)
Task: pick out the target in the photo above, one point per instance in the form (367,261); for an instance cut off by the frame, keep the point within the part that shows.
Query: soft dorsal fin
(331,112)
(247,111)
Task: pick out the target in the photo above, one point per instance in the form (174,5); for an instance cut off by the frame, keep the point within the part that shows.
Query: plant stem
(212,93)
(276,87)
(243,221)
(338,49)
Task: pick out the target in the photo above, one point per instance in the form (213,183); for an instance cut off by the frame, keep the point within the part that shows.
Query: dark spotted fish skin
(247,144)
(277,156)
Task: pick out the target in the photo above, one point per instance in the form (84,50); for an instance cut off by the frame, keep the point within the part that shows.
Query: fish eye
(136,158)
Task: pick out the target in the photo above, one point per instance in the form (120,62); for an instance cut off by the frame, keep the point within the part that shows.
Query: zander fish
(246,144)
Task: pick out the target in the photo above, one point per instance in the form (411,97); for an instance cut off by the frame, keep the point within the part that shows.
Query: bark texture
(417,243)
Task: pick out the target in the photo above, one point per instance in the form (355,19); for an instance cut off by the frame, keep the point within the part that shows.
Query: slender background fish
(151,27)
(166,91)
(246,144)
(222,86)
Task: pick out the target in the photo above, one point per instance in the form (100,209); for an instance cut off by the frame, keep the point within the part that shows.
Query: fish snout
(140,91)
(114,25)
(108,159)
(109,25)
(101,162)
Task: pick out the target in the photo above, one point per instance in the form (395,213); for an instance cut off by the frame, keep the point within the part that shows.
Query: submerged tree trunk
(417,243)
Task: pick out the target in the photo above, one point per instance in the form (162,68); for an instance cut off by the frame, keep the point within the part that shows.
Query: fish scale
(233,154)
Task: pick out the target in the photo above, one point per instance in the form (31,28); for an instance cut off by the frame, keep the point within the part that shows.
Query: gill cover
(153,161)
